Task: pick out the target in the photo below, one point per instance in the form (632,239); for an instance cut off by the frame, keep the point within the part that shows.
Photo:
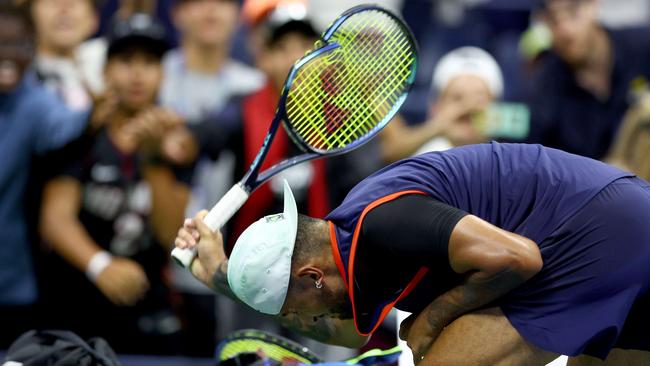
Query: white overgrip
(215,219)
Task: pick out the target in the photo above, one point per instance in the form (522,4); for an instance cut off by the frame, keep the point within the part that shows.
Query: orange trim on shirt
(416,279)
(384,312)
(336,253)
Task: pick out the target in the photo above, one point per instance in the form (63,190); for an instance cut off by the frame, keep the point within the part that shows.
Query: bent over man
(506,254)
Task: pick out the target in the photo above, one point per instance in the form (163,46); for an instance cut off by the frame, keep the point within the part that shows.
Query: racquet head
(274,347)
(342,93)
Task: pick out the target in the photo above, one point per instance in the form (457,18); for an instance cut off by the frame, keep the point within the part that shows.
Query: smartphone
(509,121)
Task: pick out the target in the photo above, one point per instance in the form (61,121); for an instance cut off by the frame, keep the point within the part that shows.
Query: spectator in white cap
(465,82)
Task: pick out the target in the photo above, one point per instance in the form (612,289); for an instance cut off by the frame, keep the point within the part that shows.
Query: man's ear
(314,273)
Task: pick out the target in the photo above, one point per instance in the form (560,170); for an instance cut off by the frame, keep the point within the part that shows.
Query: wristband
(97,264)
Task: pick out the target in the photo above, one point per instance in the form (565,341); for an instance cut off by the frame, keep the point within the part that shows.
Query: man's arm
(495,262)
(121,280)
(399,140)
(60,226)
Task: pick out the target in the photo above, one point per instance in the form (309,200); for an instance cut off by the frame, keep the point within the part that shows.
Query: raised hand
(211,255)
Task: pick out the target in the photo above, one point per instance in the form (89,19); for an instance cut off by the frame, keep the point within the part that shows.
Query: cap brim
(259,267)
(290,209)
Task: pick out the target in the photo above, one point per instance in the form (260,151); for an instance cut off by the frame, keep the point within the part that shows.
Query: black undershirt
(397,239)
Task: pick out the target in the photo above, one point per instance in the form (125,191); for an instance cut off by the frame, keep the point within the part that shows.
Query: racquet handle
(215,219)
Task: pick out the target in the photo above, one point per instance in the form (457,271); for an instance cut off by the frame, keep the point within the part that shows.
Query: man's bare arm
(220,282)
(495,262)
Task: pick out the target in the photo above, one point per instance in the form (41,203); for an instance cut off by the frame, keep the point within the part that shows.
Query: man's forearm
(475,293)
(219,281)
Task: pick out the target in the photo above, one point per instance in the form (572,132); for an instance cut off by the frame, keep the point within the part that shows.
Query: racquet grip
(215,219)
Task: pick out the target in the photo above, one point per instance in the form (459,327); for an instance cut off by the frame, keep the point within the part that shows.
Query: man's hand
(419,334)
(104,104)
(455,121)
(179,147)
(123,282)
(210,255)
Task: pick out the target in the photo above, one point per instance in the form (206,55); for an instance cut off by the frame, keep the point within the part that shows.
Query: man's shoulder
(33,98)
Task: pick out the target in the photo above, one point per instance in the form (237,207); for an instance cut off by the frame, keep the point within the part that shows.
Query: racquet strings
(274,347)
(345,94)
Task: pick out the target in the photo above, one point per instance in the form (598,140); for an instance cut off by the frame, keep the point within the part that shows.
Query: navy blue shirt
(32,122)
(526,189)
(567,117)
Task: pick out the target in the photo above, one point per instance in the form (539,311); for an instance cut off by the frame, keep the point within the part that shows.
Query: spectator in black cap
(581,92)
(110,214)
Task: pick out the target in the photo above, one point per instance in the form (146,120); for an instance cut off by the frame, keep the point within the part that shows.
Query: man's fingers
(180,243)
(186,236)
(201,214)
(197,269)
(202,227)
(171,118)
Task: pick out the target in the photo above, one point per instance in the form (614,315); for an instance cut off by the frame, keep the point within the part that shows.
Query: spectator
(61,27)
(581,92)
(466,81)
(110,214)
(632,145)
(33,123)
(202,83)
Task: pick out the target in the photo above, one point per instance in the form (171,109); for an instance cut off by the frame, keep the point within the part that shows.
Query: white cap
(468,61)
(259,266)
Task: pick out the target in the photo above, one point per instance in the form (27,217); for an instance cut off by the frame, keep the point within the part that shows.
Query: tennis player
(506,254)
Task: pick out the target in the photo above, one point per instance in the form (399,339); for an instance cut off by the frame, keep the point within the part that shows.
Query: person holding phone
(465,83)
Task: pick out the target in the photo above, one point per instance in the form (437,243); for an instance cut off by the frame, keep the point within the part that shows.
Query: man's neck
(594,74)
(45,50)
(207,60)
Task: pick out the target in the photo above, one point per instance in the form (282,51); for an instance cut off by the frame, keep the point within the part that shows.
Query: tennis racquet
(336,98)
(282,351)
(279,349)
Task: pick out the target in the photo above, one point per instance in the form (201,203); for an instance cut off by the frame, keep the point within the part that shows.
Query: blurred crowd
(119,118)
